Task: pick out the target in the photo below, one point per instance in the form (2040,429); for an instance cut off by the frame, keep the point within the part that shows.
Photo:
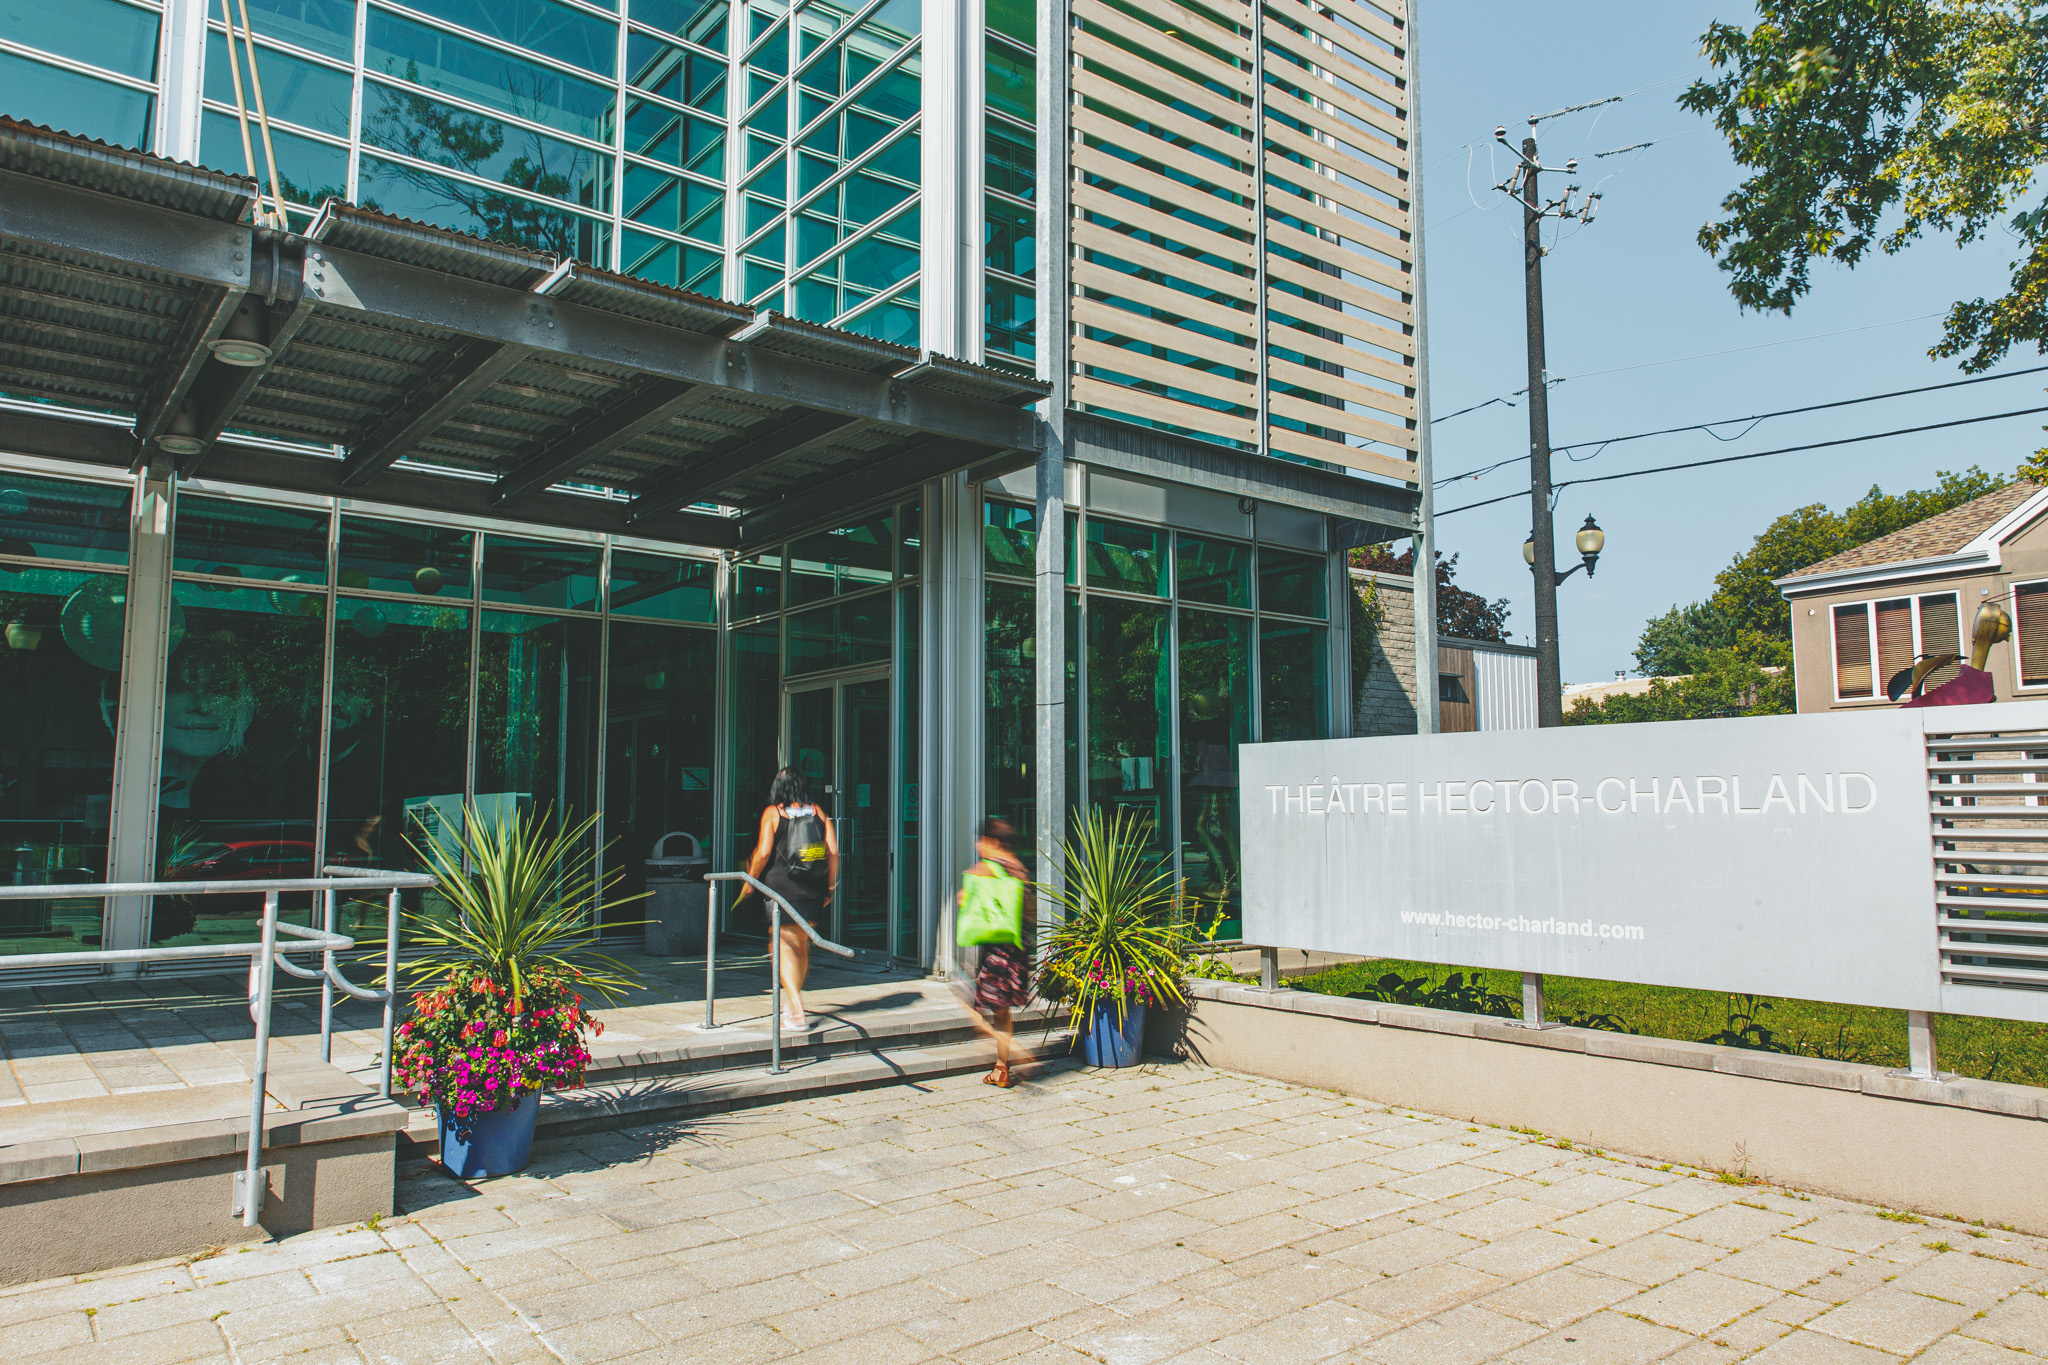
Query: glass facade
(1010,187)
(725,147)
(1180,648)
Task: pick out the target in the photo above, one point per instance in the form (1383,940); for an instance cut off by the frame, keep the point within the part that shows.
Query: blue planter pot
(497,1143)
(1104,1044)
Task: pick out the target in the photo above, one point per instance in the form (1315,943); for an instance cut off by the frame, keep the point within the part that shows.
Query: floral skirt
(1003,979)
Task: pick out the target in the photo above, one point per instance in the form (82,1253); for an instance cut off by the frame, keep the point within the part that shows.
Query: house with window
(1862,616)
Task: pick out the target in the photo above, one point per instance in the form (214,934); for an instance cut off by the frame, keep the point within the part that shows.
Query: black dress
(806,901)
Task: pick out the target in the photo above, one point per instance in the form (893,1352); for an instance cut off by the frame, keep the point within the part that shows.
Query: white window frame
(1915,597)
(2012,593)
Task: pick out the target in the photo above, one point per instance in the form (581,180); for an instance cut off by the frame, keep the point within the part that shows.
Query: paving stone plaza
(1162,1213)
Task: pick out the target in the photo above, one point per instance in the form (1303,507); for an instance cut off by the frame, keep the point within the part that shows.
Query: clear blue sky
(1634,287)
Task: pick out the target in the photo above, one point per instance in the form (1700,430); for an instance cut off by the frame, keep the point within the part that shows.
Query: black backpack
(800,849)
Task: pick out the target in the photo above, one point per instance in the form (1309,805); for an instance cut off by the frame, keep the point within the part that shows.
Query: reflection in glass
(59,695)
(1294,583)
(1294,681)
(1215,717)
(403,556)
(250,540)
(910,561)
(841,560)
(241,755)
(541,573)
(663,587)
(1009,722)
(399,745)
(1126,558)
(536,714)
(757,587)
(1130,761)
(861,909)
(77,103)
(756,709)
(58,519)
(842,635)
(1010,539)
(1215,572)
(659,730)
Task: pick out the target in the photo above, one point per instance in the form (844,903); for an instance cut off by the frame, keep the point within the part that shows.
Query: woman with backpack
(995,918)
(797,857)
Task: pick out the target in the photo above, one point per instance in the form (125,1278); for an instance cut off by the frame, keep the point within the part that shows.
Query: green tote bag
(991,912)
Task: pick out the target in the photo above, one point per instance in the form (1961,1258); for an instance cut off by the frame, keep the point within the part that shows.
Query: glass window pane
(1012,161)
(837,561)
(419,55)
(1014,19)
(567,35)
(294,89)
(407,122)
(249,540)
(756,709)
(60,679)
(1012,317)
(536,715)
(1012,83)
(658,586)
(758,586)
(1009,713)
(399,744)
(1126,558)
(403,556)
(911,553)
(77,104)
(676,73)
(672,204)
(677,264)
(310,171)
(1217,572)
(1294,583)
(409,192)
(1294,681)
(674,138)
(699,21)
(324,26)
(541,573)
(1130,759)
(658,739)
(895,322)
(842,635)
(58,519)
(1009,540)
(1010,238)
(1215,717)
(241,752)
(101,33)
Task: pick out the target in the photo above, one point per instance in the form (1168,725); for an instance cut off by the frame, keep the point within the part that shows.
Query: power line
(1758,455)
(1729,421)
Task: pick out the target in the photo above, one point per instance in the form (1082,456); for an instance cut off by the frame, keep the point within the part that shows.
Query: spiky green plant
(1121,937)
(526,905)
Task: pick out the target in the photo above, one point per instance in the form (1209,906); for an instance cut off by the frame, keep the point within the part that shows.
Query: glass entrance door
(838,737)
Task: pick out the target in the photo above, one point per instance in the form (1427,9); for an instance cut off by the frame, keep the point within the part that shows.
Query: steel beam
(573,331)
(803,433)
(221,389)
(842,496)
(124,233)
(205,319)
(460,380)
(625,421)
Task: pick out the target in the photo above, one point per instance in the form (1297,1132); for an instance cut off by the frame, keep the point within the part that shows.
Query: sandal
(999,1075)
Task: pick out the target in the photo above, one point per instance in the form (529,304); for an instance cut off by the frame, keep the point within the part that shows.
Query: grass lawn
(1987,1049)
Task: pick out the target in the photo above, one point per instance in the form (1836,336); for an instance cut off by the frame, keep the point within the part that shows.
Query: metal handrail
(778,908)
(265,958)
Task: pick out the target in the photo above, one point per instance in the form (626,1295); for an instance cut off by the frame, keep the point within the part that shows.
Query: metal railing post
(252,1174)
(390,992)
(1532,1000)
(710,955)
(1921,1061)
(327,985)
(775,985)
(1269,969)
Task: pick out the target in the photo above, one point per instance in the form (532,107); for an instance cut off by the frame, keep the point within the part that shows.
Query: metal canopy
(435,370)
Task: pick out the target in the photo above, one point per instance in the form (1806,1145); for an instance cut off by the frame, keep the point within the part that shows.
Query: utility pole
(1523,185)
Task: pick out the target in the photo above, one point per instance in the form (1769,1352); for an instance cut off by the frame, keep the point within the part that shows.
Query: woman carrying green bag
(995,916)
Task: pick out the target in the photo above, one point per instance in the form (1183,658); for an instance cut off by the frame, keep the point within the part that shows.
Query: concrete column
(1054,303)
(951,223)
(183,62)
(957,654)
(139,727)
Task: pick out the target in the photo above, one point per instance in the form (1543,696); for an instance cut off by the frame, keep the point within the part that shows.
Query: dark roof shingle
(1941,534)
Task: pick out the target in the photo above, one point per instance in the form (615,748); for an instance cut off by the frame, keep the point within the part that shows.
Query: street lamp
(1591,541)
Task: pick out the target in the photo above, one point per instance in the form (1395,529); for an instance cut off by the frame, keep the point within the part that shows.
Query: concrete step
(690,1078)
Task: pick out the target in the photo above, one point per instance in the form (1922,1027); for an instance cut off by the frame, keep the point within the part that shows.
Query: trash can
(679,900)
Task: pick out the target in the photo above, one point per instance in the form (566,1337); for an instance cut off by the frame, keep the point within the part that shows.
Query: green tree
(1460,612)
(1873,123)
(1752,677)
(1678,641)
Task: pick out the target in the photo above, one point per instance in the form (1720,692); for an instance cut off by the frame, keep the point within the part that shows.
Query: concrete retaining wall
(1964,1149)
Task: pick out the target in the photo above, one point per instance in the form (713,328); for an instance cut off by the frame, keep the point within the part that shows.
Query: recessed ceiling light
(240,351)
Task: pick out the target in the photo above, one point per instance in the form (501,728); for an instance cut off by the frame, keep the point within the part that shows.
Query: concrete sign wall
(1784,855)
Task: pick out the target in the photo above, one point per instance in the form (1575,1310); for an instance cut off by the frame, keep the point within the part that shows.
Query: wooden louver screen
(2030,623)
(1940,633)
(1894,639)
(1852,650)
